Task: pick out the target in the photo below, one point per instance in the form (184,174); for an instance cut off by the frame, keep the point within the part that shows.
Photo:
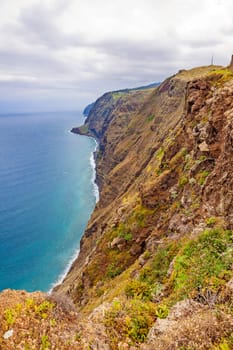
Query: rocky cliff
(155,269)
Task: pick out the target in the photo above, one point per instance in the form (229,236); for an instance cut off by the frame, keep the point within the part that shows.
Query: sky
(63,54)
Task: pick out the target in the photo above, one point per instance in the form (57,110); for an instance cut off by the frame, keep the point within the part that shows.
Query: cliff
(165,174)
(155,269)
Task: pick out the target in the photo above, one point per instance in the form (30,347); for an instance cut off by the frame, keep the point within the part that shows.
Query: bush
(161,311)
(131,319)
(138,289)
(113,270)
(158,268)
(204,263)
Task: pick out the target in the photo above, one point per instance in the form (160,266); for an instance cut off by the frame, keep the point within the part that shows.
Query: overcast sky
(63,54)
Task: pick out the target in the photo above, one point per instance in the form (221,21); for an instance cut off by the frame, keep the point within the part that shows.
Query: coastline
(63,274)
(93,165)
(95,190)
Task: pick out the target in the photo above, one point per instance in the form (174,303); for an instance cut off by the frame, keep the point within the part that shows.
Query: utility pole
(231,64)
(212,60)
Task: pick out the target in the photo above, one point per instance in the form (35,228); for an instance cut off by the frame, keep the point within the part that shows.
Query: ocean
(47,194)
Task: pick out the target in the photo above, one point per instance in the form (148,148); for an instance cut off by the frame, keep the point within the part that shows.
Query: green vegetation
(156,270)
(117,95)
(221,76)
(138,289)
(183,181)
(45,344)
(124,232)
(83,129)
(202,177)
(162,311)
(139,216)
(150,117)
(113,270)
(160,153)
(203,263)
(131,319)
(211,221)
(43,309)
(9,315)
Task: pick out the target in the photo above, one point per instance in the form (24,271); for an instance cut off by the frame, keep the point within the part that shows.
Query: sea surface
(47,195)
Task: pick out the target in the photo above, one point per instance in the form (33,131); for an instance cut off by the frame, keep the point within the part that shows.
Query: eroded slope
(166,181)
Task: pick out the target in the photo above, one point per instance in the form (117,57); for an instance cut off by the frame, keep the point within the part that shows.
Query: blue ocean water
(46,197)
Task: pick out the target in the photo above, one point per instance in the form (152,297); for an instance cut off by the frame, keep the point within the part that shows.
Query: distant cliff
(155,269)
(87,109)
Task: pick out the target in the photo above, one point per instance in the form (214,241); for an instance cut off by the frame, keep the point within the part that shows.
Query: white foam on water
(62,276)
(93,165)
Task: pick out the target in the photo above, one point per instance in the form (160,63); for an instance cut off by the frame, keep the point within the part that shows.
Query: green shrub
(113,270)
(211,221)
(204,262)
(9,315)
(131,319)
(45,344)
(183,181)
(43,308)
(202,177)
(161,311)
(158,268)
(150,117)
(124,232)
(138,289)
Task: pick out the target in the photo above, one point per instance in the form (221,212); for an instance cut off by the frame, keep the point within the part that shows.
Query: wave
(93,180)
(62,275)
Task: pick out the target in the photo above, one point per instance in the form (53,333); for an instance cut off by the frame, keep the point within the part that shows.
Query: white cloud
(89,47)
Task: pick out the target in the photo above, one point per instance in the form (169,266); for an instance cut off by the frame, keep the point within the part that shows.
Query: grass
(221,76)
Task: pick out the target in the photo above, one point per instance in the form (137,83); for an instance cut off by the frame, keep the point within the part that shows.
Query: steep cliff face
(165,174)
(155,269)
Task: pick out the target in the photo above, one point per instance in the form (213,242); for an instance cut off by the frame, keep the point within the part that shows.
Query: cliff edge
(164,169)
(155,269)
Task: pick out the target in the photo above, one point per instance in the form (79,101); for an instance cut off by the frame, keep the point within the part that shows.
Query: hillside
(155,269)
(165,174)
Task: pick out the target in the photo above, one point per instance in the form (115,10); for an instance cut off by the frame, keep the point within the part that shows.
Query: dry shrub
(197,332)
(63,302)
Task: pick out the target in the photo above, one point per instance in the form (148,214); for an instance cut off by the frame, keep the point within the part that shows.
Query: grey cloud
(141,49)
(37,25)
(45,59)
(201,43)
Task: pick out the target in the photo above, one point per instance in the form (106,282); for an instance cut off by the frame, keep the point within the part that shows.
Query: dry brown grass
(197,332)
